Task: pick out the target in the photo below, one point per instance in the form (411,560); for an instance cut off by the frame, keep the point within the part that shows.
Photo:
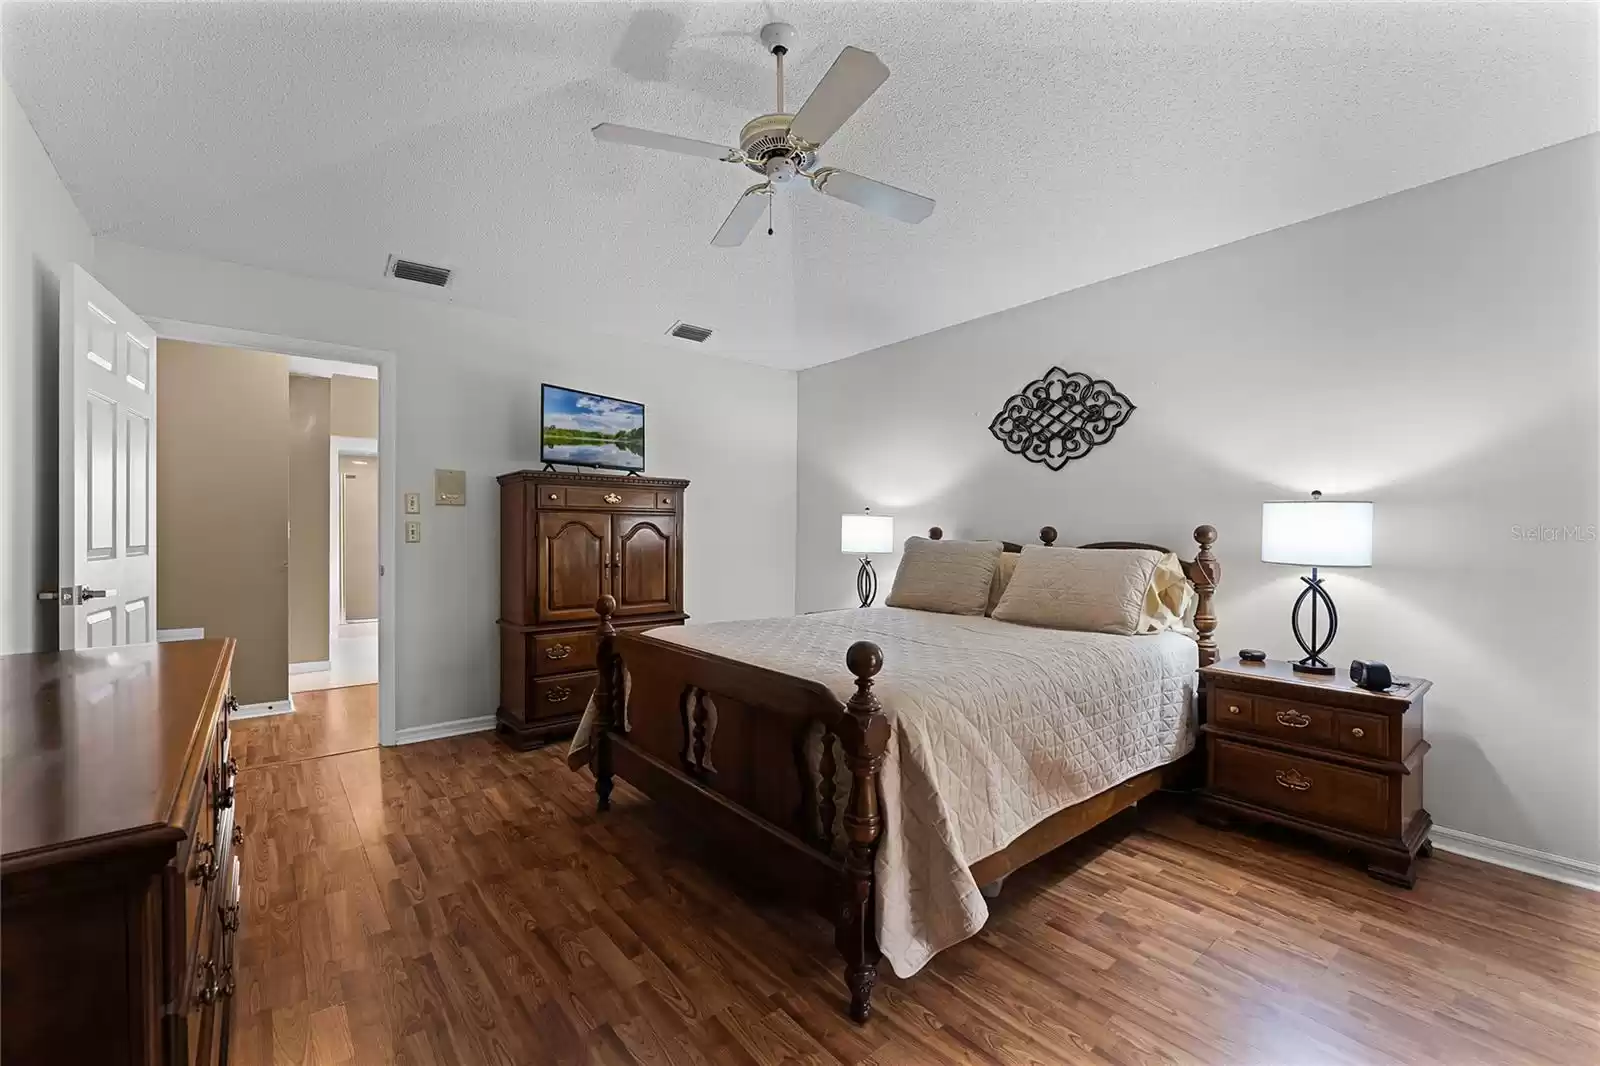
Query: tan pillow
(1095,590)
(948,576)
(1170,598)
(1002,577)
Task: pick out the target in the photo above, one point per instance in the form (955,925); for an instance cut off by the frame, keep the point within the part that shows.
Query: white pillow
(948,576)
(1095,590)
(1002,577)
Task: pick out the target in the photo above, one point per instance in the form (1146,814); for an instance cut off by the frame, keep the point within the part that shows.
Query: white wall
(1434,351)
(44,235)
(469,400)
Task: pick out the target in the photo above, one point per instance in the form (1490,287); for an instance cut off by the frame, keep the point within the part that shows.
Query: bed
(888,764)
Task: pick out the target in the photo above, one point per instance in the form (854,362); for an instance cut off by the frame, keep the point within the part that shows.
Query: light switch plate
(413,503)
(413,532)
(450,488)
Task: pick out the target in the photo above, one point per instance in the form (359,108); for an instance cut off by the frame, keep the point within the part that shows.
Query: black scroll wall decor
(1060,417)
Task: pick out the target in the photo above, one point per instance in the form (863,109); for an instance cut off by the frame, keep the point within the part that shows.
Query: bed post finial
(1209,572)
(935,533)
(1047,536)
(607,695)
(863,732)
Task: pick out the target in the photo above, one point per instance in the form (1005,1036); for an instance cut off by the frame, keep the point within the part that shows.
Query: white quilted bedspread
(996,727)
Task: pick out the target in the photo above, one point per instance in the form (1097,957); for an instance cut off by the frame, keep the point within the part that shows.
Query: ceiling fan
(782,147)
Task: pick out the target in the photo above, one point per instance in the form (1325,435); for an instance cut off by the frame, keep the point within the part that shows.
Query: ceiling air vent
(406,270)
(684,331)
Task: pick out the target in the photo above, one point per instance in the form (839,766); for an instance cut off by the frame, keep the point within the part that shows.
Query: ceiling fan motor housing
(766,139)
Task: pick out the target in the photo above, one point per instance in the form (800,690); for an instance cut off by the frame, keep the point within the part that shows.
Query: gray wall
(1433,351)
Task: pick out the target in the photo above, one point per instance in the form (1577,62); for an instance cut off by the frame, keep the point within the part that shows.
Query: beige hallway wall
(222,505)
(353,406)
(358,565)
(308,519)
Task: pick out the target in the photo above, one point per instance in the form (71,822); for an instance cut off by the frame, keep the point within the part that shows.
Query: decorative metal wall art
(1060,417)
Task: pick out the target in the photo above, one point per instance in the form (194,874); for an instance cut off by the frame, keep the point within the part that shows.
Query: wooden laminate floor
(455,903)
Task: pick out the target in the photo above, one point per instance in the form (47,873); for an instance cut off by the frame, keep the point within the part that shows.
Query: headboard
(1203,572)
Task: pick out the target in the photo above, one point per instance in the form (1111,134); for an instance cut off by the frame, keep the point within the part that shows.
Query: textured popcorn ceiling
(1064,143)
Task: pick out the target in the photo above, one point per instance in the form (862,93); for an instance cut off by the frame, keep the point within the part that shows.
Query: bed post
(863,733)
(1209,572)
(607,694)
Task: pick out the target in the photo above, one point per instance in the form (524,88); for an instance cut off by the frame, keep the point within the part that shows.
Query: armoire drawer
(563,653)
(557,697)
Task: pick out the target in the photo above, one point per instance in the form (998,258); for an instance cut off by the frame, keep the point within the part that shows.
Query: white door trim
(388,499)
(338,446)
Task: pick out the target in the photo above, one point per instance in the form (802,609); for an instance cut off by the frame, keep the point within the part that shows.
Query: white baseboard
(261,710)
(320,667)
(1516,857)
(367,627)
(165,636)
(439,730)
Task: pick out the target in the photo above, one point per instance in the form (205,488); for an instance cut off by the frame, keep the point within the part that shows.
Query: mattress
(996,727)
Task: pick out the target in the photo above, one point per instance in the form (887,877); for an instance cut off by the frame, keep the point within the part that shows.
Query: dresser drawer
(604,497)
(1363,734)
(555,697)
(1294,722)
(1323,792)
(563,653)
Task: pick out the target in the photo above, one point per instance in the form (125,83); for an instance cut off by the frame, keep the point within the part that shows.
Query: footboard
(706,734)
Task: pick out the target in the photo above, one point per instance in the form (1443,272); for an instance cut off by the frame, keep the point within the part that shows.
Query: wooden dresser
(566,540)
(119,878)
(1319,754)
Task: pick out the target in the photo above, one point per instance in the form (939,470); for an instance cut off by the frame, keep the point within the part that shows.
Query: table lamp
(866,535)
(1316,532)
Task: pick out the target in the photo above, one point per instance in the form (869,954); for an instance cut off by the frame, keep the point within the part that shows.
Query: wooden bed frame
(727,743)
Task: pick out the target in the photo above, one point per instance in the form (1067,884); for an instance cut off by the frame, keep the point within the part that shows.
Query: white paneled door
(107,592)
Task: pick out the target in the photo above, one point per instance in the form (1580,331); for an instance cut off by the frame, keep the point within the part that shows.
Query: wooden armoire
(566,540)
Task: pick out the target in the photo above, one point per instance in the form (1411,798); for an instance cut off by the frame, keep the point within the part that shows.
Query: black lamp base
(866,583)
(1313,662)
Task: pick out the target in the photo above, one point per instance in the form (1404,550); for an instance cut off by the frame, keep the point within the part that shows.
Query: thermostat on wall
(450,488)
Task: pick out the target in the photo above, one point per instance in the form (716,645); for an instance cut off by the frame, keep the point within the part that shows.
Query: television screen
(583,429)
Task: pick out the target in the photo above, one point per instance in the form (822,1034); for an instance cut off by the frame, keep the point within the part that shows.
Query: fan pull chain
(770,198)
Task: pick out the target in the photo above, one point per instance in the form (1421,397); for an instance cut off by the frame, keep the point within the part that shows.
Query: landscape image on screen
(588,430)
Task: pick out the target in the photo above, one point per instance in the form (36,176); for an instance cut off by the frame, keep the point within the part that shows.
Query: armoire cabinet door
(574,557)
(645,568)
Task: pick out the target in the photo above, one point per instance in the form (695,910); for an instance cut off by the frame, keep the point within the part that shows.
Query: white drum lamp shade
(866,534)
(1317,533)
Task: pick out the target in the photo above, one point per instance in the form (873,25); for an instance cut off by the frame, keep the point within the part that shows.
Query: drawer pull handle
(206,869)
(1293,719)
(222,798)
(559,694)
(612,497)
(1232,709)
(1293,780)
(558,651)
(238,834)
(553,496)
(230,919)
(1358,732)
(226,985)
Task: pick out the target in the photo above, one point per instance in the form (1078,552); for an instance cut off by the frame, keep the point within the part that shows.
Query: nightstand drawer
(1318,791)
(1363,734)
(1231,710)
(1294,721)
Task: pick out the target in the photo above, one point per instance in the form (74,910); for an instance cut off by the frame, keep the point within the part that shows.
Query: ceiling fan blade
(875,196)
(742,219)
(854,76)
(666,142)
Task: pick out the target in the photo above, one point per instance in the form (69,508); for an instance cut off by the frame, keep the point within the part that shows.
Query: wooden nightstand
(1319,755)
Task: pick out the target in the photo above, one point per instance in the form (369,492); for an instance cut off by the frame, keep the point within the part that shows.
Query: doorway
(352,666)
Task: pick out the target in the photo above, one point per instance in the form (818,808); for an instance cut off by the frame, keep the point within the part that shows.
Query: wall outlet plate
(413,503)
(413,532)
(450,488)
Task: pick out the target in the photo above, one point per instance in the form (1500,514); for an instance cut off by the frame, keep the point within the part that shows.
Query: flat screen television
(587,429)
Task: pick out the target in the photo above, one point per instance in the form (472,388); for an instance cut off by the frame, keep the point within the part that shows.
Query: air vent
(684,331)
(406,270)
